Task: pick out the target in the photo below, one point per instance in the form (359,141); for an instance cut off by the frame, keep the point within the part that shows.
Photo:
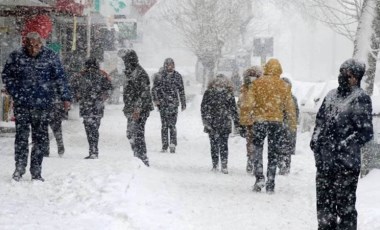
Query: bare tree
(207,26)
(357,20)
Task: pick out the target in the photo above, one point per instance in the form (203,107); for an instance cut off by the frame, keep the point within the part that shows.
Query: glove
(242,131)
(207,129)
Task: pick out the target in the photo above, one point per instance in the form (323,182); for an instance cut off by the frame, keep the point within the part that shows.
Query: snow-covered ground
(178,191)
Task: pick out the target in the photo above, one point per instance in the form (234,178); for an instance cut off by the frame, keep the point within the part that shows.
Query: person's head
(33,43)
(252,74)
(351,73)
(221,82)
(169,65)
(91,63)
(130,59)
(273,67)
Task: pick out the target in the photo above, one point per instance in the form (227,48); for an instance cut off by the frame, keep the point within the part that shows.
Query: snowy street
(178,191)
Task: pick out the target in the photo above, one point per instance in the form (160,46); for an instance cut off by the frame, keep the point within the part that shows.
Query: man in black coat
(343,126)
(91,88)
(137,102)
(167,91)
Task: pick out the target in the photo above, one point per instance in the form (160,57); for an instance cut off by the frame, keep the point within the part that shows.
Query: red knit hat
(40,23)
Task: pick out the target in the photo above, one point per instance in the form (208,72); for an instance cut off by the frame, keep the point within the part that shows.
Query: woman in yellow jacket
(246,119)
(271,98)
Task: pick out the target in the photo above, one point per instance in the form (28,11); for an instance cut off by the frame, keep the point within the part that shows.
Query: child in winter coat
(218,108)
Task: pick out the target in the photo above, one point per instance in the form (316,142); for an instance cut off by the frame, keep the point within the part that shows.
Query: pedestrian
(56,116)
(289,137)
(137,103)
(270,99)
(246,116)
(218,108)
(167,92)
(91,89)
(30,76)
(343,125)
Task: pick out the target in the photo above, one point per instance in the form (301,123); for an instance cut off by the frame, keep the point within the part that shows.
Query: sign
(263,47)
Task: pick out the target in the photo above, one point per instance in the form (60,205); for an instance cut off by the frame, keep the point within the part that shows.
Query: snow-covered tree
(208,26)
(357,20)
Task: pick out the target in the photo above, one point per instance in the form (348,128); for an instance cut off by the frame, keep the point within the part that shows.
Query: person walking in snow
(270,99)
(218,108)
(343,125)
(288,138)
(246,118)
(56,116)
(91,88)
(137,103)
(167,91)
(31,75)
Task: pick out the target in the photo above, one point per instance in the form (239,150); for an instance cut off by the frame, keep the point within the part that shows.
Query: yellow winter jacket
(271,98)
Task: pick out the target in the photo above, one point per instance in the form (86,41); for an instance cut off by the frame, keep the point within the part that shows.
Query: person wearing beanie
(167,92)
(246,119)
(218,109)
(343,126)
(31,76)
(271,99)
(137,103)
(91,89)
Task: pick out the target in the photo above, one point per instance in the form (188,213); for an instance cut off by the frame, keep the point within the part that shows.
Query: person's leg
(260,132)
(40,139)
(21,146)
(223,143)
(250,148)
(164,129)
(346,198)
(172,121)
(275,131)
(56,127)
(139,139)
(326,200)
(91,126)
(214,147)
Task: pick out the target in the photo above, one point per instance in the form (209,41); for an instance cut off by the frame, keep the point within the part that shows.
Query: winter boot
(92,156)
(61,150)
(38,178)
(259,184)
(224,169)
(17,175)
(172,148)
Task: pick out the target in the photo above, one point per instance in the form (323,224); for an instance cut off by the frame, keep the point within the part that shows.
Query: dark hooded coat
(343,126)
(218,107)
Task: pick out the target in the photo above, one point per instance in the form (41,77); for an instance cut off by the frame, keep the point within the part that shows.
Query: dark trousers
(56,127)
(336,198)
(168,123)
(38,121)
(91,125)
(261,130)
(219,147)
(288,148)
(136,136)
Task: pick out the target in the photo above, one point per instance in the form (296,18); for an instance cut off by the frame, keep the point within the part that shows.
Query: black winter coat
(91,90)
(136,92)
(167,88)
(218,108)
(343,126)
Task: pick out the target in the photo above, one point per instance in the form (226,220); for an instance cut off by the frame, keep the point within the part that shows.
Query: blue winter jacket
(31,81)
(343,125)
